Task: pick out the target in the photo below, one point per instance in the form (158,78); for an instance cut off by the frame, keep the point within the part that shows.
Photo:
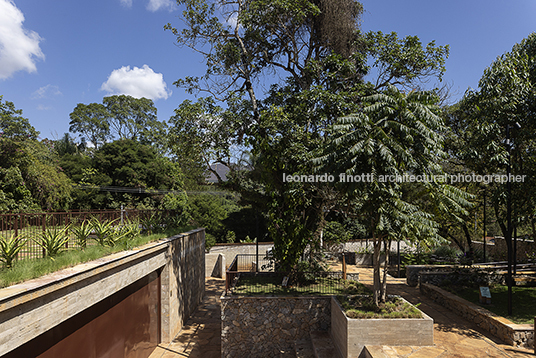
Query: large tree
(395,135)
(91,121)
(318,50)
(506,96)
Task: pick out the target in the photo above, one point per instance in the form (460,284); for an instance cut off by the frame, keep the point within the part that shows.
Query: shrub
(82,233)
(103,232)
(210,241)
(446,252)
(53,240)
(9,248)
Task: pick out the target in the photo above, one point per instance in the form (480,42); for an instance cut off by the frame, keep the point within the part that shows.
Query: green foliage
(446,252)
(230,237)
(13,125)
(53,240)
(91,121)
(210,241)
(135,119)
(82,233)
(105,234)
(9,249)
(362,306)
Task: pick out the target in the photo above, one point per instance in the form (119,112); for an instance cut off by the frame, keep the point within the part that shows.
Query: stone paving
(453,336)
(200,336)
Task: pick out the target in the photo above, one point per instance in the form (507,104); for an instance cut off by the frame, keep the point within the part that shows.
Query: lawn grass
(28,269)
(523,302)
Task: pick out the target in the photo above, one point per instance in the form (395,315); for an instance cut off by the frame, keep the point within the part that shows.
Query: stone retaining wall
(518,335)
(265,326)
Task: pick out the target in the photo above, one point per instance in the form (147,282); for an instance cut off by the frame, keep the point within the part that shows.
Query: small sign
(485,295)
(285,281)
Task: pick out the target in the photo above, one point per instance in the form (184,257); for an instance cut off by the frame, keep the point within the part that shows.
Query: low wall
(215,265)
(265,326)
(229,251)
(171,269)
(518,335)
(352,335)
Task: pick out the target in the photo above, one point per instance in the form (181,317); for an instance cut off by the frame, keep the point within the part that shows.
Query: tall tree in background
(91,121)
(30,177)
(506,95)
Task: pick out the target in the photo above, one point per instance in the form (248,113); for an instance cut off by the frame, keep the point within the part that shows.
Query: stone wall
(498,250)
(265,326)
(31,309)
(518,335)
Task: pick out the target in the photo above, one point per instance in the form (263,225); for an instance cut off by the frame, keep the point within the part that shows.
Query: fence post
(44,225)
(343,267)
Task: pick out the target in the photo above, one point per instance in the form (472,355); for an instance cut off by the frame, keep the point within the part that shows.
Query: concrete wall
(352,335)
(264,326)
(30,309)
(215,265)
(229,251)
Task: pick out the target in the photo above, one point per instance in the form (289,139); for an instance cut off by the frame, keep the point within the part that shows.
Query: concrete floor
(453,336)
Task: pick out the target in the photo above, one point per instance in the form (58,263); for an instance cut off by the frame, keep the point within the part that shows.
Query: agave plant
(82,233)
(9,248)
(103,231)
(53,240)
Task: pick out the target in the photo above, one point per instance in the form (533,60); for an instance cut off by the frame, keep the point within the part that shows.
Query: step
(323,345)
(304,348)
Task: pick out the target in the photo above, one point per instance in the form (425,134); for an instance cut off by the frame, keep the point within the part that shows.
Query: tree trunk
(376,264)
(387,247)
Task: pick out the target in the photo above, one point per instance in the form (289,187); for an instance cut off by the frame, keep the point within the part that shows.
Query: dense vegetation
(343,102)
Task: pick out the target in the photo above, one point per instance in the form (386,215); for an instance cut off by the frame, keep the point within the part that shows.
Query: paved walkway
(453,336)
(200,336)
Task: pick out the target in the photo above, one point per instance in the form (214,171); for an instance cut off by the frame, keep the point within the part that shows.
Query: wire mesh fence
(251,275)
(280,283)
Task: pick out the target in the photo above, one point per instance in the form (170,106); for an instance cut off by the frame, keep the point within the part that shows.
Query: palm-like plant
(103,231)
(82,233)
(394,135)
(53,240)
(9,248)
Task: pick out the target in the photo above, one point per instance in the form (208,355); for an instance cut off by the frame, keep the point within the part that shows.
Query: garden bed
(352,335)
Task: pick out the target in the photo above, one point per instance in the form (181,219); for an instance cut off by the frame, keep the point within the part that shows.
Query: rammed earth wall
(265,326)
(518,335)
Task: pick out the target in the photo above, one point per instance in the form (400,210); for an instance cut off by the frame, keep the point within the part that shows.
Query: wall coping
(35,288)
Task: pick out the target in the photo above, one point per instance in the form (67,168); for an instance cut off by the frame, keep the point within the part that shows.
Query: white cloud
(137,82)
(47,91)
(42,107)
(155,5)
(126,3)
(19,47)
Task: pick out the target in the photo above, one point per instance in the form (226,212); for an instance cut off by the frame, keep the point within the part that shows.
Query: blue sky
(55,54)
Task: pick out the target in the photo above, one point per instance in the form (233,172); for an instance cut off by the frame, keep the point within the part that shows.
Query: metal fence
(248,276)
(280,283)
(30,226)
